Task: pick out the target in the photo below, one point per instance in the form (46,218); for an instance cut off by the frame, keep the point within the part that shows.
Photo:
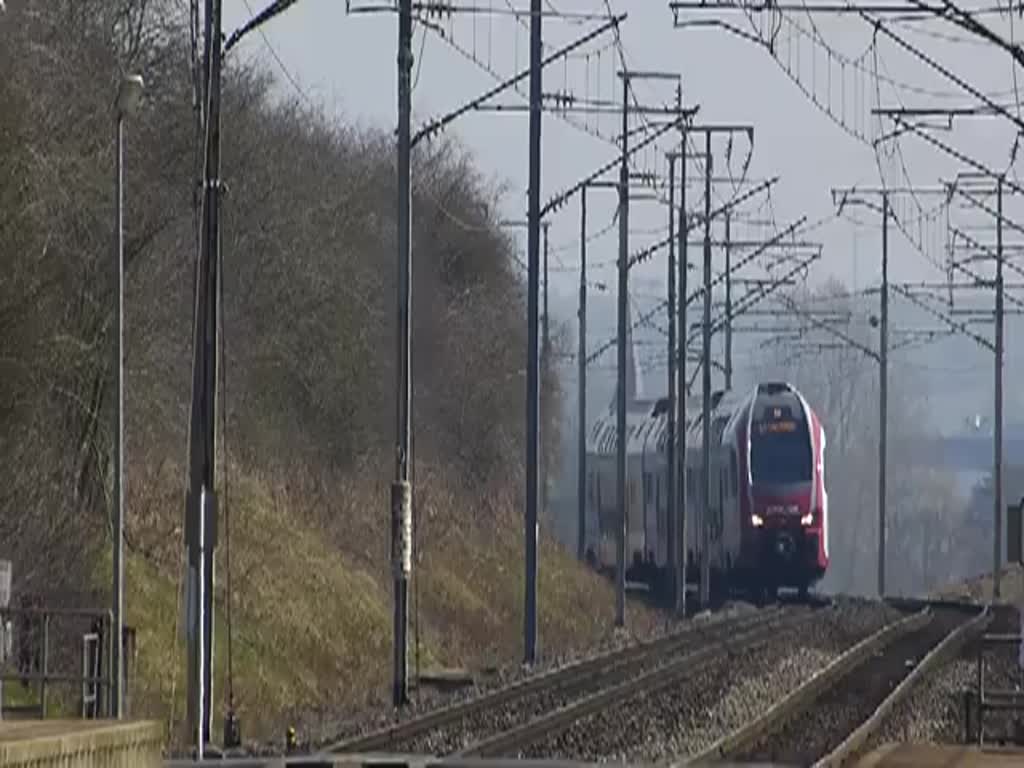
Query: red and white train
(767,515)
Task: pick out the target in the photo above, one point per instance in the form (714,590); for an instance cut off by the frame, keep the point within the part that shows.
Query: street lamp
(129,94)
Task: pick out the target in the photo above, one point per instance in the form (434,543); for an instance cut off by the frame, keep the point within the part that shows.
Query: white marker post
(5,626)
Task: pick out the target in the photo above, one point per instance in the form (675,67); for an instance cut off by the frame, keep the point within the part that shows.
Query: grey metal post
(201,502)
(532,364)
(201,732)
(581,362)
(682,558)
(883,385)
(401,490)
(118,612)
(670,436)
(998,431)
(705,518)
(128,95)
(547,327)
(545,362)
(620,463)
(728,301)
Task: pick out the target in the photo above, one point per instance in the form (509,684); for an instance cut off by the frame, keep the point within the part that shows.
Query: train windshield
(780,452)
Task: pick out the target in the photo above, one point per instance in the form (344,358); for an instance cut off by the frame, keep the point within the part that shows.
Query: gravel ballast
(840,710)
(933,712)
(719,697)
(379,717)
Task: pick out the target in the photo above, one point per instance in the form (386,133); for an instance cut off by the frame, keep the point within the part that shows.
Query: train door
(730,503)
(713,508)
(648,515)
(661,513)
(634,516)
(695,512)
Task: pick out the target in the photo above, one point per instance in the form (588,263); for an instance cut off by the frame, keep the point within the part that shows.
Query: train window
(781,457)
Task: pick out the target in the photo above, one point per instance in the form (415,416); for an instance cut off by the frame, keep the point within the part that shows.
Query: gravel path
(839,711)
(718,698)
(934,709)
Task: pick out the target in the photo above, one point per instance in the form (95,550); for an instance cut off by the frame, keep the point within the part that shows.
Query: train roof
(647,423)
(647,420)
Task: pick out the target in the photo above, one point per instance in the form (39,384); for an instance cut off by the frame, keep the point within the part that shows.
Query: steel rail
(518,738)
(566,677)
(803,697)
(935,658)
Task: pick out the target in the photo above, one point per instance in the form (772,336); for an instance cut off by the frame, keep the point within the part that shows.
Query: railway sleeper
(514,740)
(814,723)
(571,677)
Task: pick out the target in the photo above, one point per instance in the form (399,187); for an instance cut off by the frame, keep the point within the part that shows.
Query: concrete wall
(81,744)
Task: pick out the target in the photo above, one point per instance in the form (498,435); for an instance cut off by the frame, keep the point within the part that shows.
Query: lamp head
(129,94)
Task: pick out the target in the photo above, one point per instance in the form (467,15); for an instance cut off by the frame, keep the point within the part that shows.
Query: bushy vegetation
(307,395)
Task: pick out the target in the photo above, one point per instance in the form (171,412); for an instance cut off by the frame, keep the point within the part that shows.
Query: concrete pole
(728,301)
(883,386)
(705,576)
(401,490)
(620,581)
(670,436)
(117,672)
(581,362)
(201,500)
(998,428)
(682,554)
(533,357)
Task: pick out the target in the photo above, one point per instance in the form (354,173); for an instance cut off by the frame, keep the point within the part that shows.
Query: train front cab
(783,535)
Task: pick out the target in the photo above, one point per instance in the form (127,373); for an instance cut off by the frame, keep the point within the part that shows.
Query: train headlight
(807,519)
(756,520)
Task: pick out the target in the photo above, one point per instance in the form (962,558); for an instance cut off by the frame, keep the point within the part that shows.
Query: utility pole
(728,300)
(581,362)
(843,198)
(401,490)
(670,437)
(998,473)
(883,394)
(705,518)
(624,264)
(201,500)
(705,576)
(680,469)
(547,327)
(620,463)
(545,363)
(998,350)
(532,451)
(532,363)
(129,94)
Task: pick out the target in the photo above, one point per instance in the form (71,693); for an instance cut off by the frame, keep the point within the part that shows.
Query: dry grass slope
(312,623)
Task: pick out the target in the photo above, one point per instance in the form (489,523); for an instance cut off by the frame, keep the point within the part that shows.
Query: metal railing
(982,700)
(33,656)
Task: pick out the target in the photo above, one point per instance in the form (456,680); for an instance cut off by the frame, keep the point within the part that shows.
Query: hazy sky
(346,62)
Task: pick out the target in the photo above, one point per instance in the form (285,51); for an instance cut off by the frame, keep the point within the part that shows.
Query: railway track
(508,717)
(829,718)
